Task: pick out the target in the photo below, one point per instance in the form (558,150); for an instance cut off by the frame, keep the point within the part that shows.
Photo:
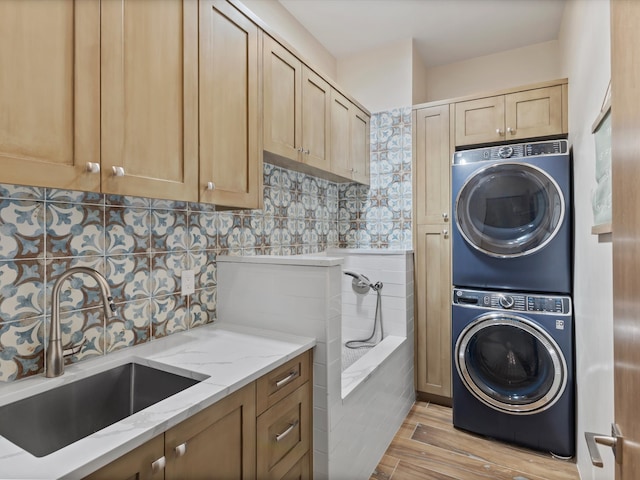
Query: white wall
(381,78)
(420,93)
(511,68)
(586,60)
(287,26)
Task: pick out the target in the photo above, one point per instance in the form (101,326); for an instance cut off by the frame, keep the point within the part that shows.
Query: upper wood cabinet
(527,114)
(230,153)
(432,153)
(350,139)
(296,108)
(149,93)
(50,93)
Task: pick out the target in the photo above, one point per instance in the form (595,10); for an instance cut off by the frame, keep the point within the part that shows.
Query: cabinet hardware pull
(211,186)
(292,374)
(445,215)
(289,429)
(158,465)
(118,171)
(181,449)
(306,152)
(512,131)
(300,149)
(445,232)
(93,167)
(500,132)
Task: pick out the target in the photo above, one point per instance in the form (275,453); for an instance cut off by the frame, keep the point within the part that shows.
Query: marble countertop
(310,260)
(231,356)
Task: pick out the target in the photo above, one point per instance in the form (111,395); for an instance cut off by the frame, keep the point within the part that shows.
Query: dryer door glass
(509,209)
(510,363)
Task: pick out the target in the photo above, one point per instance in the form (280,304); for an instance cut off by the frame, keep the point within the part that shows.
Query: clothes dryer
(513,368)
(512,217)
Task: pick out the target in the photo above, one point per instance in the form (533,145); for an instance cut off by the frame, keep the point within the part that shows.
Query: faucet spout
(55,355)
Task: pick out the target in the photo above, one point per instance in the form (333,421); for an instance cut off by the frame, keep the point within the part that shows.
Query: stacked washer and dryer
(512,322)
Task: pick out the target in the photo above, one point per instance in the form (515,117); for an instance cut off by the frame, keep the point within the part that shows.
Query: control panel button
(507,301)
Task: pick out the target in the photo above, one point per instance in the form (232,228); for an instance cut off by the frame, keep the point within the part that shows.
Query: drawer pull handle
(292,374)
(289,429)
(158,465)
(181,449)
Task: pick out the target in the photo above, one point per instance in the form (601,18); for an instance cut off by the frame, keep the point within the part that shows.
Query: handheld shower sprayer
(361,283)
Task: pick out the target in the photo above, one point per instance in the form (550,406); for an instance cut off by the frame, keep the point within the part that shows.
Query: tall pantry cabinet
(433,148)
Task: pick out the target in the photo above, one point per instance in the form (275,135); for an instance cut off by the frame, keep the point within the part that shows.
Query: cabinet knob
(512,131)
(118,171)
(211,186)
(93,167)
(500,132)
(445,215)
(158,465)
(306,152)
(445,232)
(299,149)
(181,449)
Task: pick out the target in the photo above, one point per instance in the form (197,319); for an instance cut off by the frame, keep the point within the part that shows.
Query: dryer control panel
(520,302)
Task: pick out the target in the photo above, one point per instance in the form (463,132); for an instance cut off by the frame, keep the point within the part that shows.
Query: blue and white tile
(202,307)
(21,349)
(131,325)
(169,315)
(74,196)
(79,290)
(166,272)
(203,263)
(21,229)
(21,192)
(75,230)
(129,276)
(22,293)
(169,230)
(202,230)
(84,329)
(127,230)
(163,204)
(225,222)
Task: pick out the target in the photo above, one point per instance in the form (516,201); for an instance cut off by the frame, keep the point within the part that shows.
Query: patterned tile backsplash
(142,245)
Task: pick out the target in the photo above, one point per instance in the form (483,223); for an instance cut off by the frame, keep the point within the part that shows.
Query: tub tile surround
(141,245)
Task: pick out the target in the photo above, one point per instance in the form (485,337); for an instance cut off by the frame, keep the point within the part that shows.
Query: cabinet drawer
(283,434)
(279,383)
(301,470)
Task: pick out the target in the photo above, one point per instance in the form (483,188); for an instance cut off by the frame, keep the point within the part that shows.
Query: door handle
(614,441)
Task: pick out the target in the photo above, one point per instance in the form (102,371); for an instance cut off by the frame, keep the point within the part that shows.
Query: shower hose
(371,341)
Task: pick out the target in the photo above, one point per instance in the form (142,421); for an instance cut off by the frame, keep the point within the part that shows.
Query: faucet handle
(73,349)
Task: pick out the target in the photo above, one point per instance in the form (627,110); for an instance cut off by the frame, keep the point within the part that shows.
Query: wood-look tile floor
(428,447)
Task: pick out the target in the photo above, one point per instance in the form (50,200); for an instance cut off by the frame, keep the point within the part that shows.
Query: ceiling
(445,31)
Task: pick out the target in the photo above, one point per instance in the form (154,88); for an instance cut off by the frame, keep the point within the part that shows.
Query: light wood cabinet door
(149,98)
(340,135)
(282,73)
(219,442)
(135,465)
(534,113)
(350,139)
(50,93)
(433,310)
(432,164)
(360,145)
(316,118)
(230,156)
(480,121)
(283,434)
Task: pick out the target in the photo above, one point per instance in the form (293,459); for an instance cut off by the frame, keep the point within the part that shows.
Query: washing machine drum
(509,209)
(510,364)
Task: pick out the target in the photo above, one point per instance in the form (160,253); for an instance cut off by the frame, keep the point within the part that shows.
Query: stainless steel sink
(48,421)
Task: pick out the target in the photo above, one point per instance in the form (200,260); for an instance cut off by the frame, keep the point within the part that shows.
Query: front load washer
(512,227)
(513,368)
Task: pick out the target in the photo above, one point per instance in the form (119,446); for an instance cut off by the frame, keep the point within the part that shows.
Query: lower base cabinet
(220,441)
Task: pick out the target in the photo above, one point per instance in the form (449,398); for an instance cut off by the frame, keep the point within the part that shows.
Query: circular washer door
(510,364)
(509,209)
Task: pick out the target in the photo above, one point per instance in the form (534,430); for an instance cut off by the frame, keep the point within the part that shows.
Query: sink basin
(48,421)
